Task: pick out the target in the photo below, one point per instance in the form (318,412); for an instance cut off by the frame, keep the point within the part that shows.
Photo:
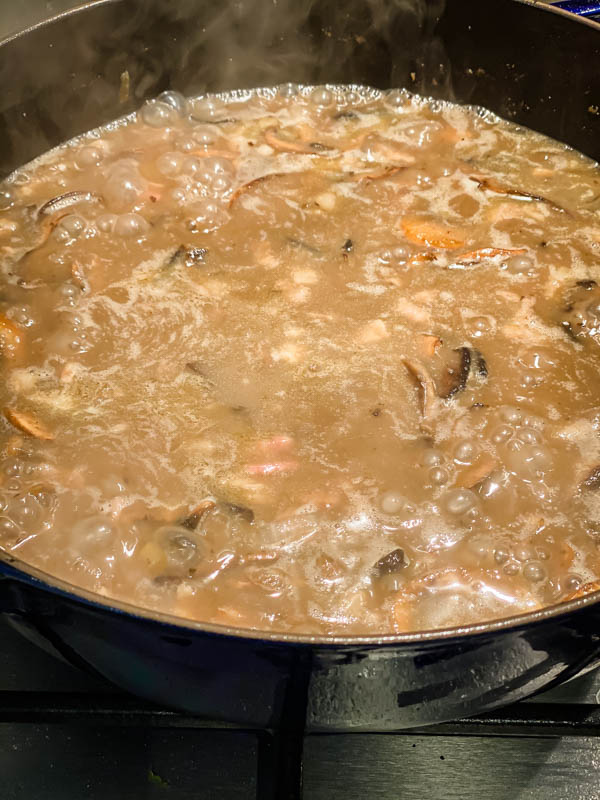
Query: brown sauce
(322,361)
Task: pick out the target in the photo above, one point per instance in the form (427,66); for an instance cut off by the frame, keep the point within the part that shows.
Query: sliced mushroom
(11,338)
(429,344)
(592,481)
(477,256)
(67,200)
(579,315)
(187,256)
(302,245)
(391,563)
(241,511)
(223,121)
(479,363)
(28,424)
(281,143)
(384,172)
(193,519)
(491,185)
(246,187)
(432,233)
(458,367)
(426,386)
(456,373)
(474,474)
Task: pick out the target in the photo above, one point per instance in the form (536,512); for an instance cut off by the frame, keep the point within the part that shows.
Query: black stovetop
(66,736)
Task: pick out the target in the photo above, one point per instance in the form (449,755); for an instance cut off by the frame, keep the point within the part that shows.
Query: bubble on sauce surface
(13,467)
(170,163)
(72,226)
(6,199)
(502,434)
(465,452)
(158,114)
(288,90)
(124,185)
(89,156)
(460,501)
(23,315)
(519,265)
(106,223)
(204,108)
(511,415)
(26,512)
(396,98)
(432,458)
(207,218)
(439,476)
(533,571)
(91,534)
(204,136)
(272,581)
(529,436)
(130,225)
(183,548)
(392,502)
(528,460)
(174,100)
(10,532)
(322,97)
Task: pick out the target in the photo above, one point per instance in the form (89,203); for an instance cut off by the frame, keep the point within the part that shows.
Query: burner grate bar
(529,719)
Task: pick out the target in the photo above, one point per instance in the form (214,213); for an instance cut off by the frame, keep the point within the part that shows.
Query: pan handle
(583,8)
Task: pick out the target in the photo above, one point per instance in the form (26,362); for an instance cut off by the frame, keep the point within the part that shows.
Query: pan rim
(22,572)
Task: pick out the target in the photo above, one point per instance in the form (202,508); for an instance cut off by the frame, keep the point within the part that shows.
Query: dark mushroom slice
(196,367)
(490,185)
(348,246)
(300,244)
(384,172)
(241,511)
(460,366)
(391,563)
(63,201)
(223,121)
(186,256)
(455,374)
(247,187)
(479,364)
(345,115)
(579,314)
(592,481)
(192,520)
(278,140)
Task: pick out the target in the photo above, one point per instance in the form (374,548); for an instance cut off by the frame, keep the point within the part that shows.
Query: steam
(382,43)
(63,79)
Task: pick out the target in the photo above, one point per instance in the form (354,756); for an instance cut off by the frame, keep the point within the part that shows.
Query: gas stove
(65,735)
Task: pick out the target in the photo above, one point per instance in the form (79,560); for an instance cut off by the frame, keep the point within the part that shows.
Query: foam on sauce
(315,359)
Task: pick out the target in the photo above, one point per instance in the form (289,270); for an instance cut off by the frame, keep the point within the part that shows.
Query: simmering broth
(319,360)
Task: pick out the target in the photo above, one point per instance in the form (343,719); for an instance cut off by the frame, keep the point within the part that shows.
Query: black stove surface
(66,736)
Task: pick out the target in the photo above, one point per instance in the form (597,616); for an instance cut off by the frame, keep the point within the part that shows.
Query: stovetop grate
(64,735)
